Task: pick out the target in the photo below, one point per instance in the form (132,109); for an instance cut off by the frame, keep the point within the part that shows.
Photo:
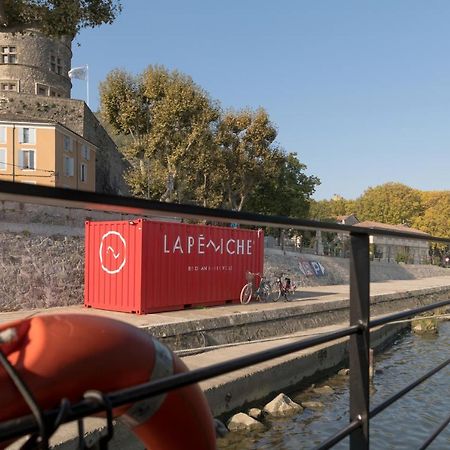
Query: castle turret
(32,63)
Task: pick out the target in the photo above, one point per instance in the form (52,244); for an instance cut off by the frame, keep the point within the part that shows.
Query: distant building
(351,219)
(396,249)
(35,89)
(46,153)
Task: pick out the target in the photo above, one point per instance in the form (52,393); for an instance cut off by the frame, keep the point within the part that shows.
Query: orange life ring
(65,355)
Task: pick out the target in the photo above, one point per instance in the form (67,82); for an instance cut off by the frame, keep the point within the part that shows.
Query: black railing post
(359,343)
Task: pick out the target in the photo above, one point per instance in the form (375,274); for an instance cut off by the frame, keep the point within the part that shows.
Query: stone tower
(32,63)
(34,84)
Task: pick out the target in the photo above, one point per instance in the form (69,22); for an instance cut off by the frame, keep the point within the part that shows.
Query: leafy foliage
(183,148)
(56,17)
(436,217)
(288,193)
(169,121)
(392,203)
(328,210)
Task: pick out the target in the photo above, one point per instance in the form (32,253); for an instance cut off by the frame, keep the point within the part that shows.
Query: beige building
(396,249)
(46,153)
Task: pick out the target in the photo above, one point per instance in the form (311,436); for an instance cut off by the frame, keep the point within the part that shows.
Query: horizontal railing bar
(406,389)
(69,198)
(341,434)
(408,313)
(26,425)
(435,433)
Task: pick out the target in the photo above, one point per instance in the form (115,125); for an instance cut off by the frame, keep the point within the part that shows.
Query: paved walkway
(307,296)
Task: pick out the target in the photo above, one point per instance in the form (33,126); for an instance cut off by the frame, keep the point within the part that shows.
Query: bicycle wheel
(246,293)
(264,293)
(290,292)
(277,295)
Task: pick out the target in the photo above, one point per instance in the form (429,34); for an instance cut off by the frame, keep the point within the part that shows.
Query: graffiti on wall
(311,268)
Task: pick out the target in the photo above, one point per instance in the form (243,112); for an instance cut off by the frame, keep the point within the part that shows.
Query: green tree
(392,203)
(328,210)
(286,193)
(436,218)
(246,140)
(170,123)
(56,17)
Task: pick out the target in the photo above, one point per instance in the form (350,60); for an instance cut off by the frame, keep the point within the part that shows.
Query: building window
(68,166)
(41,89)
(27,159)
(56,65)
(9,55)
(2,135)
(3,161)
(67,144)
(83,172)
(27,136)
(8,86)
(85,152)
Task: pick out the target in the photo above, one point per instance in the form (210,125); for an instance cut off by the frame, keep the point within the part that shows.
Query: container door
(113,265)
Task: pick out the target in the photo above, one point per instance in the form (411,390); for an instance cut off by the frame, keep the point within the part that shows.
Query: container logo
(113,252)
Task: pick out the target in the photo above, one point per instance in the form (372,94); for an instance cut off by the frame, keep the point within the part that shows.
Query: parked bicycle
(261,293)
(284,289)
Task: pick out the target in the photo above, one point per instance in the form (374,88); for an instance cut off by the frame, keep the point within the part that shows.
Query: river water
(404,425)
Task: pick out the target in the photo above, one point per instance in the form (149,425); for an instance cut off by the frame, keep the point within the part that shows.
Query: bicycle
(285,289)
(261,293)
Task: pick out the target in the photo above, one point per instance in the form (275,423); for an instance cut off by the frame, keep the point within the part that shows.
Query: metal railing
(44,423)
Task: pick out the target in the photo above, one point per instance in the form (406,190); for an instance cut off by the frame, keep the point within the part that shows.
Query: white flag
(79,73)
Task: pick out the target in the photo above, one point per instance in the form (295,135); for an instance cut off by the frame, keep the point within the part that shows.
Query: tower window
(56,65)
(41,89)
(8,86)
(9,55)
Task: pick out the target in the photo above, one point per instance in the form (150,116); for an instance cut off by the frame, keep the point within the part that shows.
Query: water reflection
(403,426)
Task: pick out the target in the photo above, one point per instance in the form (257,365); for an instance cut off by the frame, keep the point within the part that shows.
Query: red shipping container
(144,266)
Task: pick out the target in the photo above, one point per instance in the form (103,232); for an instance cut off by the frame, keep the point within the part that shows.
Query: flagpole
(87,85)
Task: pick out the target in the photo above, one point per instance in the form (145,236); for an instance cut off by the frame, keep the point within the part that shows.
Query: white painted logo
(200,245)
(113,244)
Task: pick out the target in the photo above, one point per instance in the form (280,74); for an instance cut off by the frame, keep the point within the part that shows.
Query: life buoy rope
(66,355)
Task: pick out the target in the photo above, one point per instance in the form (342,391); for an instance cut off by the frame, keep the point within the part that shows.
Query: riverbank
(402,426)
(325,306)
(37,269)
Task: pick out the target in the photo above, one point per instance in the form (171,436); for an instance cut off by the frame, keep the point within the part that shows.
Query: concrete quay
(236,330)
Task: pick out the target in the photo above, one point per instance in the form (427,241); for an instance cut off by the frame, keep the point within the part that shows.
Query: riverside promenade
(211,335)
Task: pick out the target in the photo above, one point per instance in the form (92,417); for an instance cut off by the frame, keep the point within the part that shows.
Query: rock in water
(324,390)
(256,413)
(243,422)
(282,405)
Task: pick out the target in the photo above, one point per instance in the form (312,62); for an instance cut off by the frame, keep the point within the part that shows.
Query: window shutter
(2,159)
(31,160)
(32,136)
(20,160)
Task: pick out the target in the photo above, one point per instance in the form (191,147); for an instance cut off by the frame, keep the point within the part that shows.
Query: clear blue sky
(360,90)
